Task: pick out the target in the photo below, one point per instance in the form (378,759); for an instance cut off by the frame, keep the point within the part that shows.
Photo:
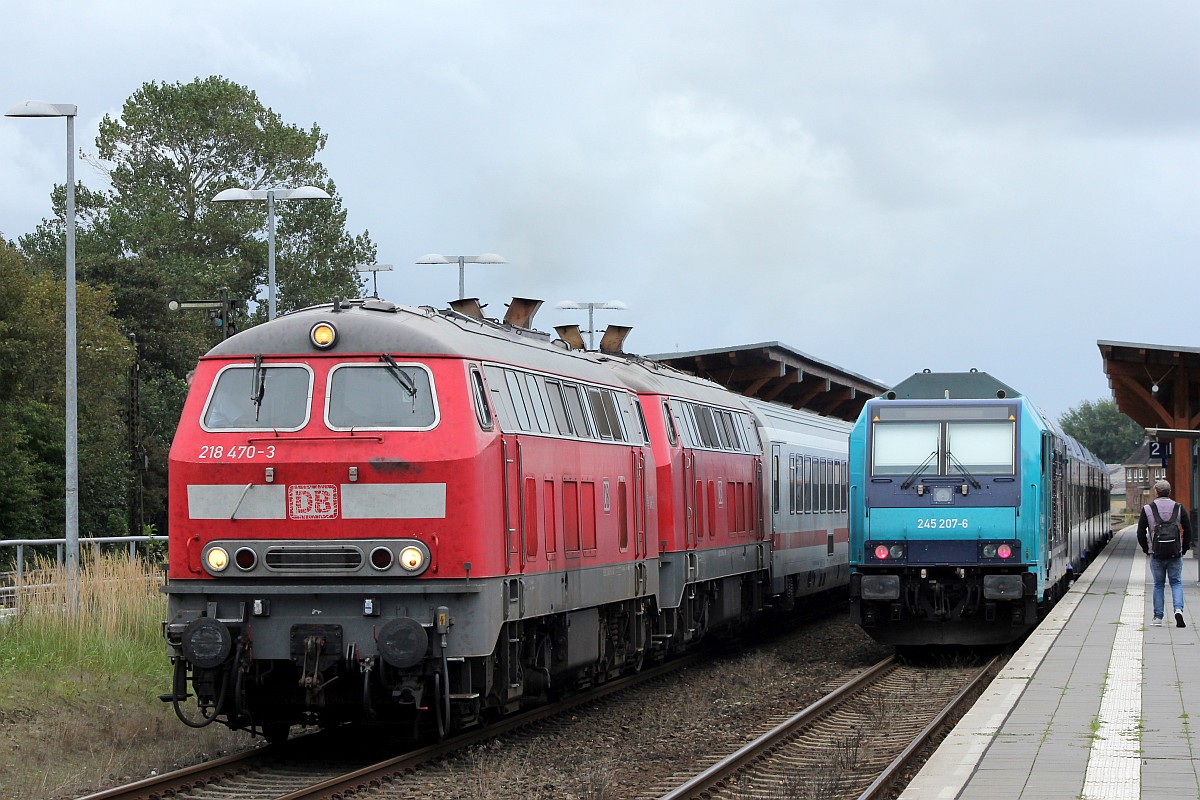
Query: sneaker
(1157,623)
(1179,623)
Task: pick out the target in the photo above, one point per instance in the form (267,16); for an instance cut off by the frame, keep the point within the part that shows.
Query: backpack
(1165,541)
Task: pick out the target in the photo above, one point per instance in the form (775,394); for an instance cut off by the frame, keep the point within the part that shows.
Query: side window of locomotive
(706,427)
(669,420)
(600,413)
(537,403)
(610,409)
(558,407)
(575,409)
(479,396)
(380,396)
(637,405)
(729,431)
(517,399)
(250,398)
(501,402)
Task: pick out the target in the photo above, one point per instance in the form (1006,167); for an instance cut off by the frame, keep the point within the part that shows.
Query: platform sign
(1161,451)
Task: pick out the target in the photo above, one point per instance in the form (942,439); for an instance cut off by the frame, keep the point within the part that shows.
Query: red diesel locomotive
(426,516)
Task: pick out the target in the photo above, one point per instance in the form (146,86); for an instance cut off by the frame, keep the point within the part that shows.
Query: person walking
(1165,533)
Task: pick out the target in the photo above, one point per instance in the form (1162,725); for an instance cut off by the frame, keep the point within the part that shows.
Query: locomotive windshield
(263,397)
(947,441)
(380,396)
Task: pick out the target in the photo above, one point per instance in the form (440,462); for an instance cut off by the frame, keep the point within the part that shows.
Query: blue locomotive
(970,512)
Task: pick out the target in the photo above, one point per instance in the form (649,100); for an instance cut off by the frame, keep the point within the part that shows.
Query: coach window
(775,483)
(479,395)
(806,482)
(256,398)
(380,396)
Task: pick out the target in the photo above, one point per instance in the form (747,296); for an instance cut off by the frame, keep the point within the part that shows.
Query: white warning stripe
(1114,770)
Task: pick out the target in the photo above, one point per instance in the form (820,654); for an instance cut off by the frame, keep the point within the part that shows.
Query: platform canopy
(775,372)
(1158,387)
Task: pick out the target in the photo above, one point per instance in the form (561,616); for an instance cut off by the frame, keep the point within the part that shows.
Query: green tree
(157,234)
(32,433)
(1101,428)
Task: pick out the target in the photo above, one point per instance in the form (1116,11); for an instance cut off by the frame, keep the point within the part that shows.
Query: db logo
(313,502)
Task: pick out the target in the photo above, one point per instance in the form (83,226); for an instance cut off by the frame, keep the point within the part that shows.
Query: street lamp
(615,305)
(374,269)
(271,195)
(34,108)
(486,258)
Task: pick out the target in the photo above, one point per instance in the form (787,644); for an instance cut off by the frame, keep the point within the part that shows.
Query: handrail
(60,544)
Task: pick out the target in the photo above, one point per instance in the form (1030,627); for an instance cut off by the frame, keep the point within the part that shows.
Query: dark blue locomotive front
(971,512)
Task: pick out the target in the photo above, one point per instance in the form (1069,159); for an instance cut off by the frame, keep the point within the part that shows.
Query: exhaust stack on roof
(468,307)
(614,337)
(521,311)
(571,335)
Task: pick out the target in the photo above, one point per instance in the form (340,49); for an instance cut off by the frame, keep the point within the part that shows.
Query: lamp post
(271,195)
(34,108)
(615,305)
(374,269)
(486,258)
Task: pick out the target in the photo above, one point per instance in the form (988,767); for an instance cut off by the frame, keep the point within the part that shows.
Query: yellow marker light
(323,335)
(412,559)
(217,559)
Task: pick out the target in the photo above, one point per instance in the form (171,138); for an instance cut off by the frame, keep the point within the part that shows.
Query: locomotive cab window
(944,441)
(259,397)
(380,396)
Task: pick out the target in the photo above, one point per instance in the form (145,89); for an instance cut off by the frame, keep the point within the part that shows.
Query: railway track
(853,743)
(306,770)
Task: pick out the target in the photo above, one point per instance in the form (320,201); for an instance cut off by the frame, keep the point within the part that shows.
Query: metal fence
(13,581)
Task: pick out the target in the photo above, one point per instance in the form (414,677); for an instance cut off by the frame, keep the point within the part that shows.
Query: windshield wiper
(920,468)
(966,472)
(259,387)
(402,377)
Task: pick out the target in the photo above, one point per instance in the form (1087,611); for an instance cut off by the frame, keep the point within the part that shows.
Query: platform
(1095,704)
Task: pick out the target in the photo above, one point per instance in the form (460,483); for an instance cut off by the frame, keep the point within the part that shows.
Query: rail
(13,581)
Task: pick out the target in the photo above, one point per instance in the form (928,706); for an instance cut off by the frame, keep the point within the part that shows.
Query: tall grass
(116,631)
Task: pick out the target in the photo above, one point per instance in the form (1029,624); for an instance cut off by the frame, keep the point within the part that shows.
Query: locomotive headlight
(323,335)
(989,551)
(896,551)
(412,559)
(217,559)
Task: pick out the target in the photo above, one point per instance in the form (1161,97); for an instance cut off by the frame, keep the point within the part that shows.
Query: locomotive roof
(377,326)
(973,385)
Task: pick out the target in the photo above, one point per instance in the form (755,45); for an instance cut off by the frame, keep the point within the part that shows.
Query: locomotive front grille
(347,558)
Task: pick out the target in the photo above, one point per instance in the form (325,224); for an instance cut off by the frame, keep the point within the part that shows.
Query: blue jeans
(1163,569)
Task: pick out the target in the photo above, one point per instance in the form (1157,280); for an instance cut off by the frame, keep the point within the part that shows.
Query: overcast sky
(885,186)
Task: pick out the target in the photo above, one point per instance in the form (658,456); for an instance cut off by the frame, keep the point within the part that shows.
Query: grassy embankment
(79,706)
